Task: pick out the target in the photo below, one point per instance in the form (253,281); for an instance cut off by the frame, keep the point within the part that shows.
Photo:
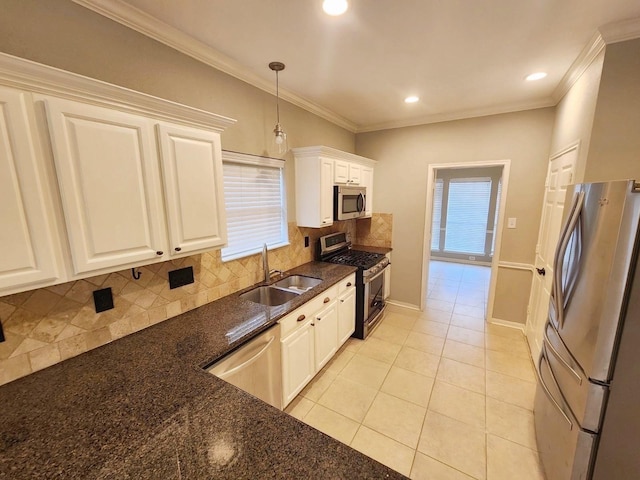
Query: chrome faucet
(265,265)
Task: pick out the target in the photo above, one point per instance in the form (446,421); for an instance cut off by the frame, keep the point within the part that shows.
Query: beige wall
(614,151)
(574,115)
(404,155)
(67,36)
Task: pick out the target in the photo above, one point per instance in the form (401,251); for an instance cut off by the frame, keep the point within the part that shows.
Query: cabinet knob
(301,318)
(177,249)
(326,300)
(159,252)
(313,324)
(318,318)
(341,301)
(349,284)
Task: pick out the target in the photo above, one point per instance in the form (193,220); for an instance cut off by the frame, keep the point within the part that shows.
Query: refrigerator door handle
(565,236)
(548,392)
(555,352)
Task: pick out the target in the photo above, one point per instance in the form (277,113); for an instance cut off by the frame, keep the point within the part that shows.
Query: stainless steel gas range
(370,305)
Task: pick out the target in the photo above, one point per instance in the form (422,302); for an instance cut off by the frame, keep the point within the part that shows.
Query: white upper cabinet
(318,169)
(108,174)
(193,184)
(29,250)
(347,173)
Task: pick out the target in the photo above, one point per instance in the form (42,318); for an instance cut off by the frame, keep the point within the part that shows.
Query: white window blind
(255,204)
(437,215)
(467,213)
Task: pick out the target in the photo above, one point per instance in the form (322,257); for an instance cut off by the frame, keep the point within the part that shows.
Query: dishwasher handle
(225,374)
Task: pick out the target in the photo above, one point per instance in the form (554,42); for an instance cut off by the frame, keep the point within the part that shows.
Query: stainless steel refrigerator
(587,405)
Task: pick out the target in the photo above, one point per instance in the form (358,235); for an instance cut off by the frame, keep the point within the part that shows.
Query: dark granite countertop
(143,408)
(367,248)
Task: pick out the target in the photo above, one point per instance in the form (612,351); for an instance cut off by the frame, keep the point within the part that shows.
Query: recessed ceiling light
(535,76)
(335,7)
(411,99)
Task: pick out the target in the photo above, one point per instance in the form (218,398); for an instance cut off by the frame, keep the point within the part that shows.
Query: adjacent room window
(255,204)
(465,213)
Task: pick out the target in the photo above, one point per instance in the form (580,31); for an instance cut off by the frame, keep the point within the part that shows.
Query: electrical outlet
(511,222)
(103,299)
(306,241)
(180,277)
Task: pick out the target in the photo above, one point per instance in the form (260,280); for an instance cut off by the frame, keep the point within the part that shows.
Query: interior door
(560,174)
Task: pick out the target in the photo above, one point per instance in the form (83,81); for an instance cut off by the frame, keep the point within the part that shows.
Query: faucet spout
(265,263)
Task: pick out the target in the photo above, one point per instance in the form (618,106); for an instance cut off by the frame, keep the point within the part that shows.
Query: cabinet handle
(177,249)
(349,284)
(326,300)
(159,252)
(301,318)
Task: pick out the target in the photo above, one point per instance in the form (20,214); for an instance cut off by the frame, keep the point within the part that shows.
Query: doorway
(477,259)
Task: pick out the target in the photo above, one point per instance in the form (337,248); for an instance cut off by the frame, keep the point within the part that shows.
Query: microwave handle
(362,202)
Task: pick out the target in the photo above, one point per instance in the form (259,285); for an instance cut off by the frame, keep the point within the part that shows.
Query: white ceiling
(461,57)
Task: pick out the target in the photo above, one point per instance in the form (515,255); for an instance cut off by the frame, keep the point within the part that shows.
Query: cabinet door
(326,334)
(109,181)
(367,181)
(193,184)
(346,315)
(341,172)
(298,367)
(28,248)
(355,174)
(326,192)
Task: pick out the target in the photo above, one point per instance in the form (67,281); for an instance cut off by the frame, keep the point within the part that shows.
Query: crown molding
(460,115)
(43,79)
(323,151)
(621,31)
(145,24)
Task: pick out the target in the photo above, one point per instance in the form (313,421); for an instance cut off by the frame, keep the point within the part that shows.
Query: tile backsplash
(48,325)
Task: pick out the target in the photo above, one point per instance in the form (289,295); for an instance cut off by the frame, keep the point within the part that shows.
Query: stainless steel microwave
(349,202)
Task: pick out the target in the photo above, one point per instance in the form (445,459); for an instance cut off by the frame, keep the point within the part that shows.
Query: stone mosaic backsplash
(375,231)
(48,325)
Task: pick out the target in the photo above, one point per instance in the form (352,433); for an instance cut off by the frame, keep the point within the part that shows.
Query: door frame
(426,247)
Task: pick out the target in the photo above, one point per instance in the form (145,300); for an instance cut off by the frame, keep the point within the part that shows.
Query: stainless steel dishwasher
(255,367)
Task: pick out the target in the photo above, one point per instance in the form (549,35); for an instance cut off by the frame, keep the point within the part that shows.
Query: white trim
(572,146)
(460,115)
(144,23)
(426,246)
(516,266)
(250,159)
(621,31)
(35,77)
(395,304)
(507,323)
(322,151)
(588,54)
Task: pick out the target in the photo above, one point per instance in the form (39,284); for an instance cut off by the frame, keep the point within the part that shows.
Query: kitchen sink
(298,283)
(268,296)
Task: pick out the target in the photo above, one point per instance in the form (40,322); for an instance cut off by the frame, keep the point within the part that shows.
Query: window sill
(255,251)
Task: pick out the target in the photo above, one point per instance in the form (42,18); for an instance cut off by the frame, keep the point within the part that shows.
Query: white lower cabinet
(298,362)
(326,334)
(313,333)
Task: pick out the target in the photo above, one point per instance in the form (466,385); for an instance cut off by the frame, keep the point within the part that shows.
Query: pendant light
(279,136)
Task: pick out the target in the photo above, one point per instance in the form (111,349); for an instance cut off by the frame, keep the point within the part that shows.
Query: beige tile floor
(435,394)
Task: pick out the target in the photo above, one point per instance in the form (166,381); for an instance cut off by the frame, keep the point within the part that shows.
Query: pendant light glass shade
(279,135)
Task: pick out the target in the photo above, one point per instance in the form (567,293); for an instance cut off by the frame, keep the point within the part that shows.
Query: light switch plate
(511,222)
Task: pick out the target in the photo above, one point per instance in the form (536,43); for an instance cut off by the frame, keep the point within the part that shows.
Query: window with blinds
(467,213)
(255,204)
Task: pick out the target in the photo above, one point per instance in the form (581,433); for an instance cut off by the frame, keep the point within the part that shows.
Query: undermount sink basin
(298,283)
(268,296)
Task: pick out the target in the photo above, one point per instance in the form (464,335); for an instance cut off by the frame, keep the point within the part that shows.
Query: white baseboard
(507,323)
(396,306)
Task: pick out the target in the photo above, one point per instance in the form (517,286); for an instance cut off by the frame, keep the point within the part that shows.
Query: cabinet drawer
(297,318)
(347,284)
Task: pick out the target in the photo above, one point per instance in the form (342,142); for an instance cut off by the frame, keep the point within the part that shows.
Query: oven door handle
(372,278)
